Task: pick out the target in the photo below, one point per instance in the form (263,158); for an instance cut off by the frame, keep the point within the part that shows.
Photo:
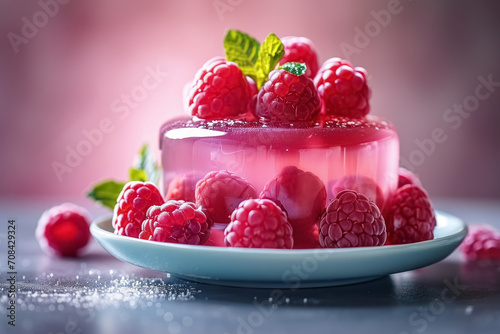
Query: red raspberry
(410,216)
(302,194)
(183,186)
(351,220)
(406,177)
(300,50)
(286,97)
(306,237)
(219,90)
(131,206)
(360,184)
(258,223)
(220,192)
(254,91)
(481,243)
(176,222)
(343,89)
(64,230)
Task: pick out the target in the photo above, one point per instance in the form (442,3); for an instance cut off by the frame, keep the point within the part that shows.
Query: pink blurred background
(66,78)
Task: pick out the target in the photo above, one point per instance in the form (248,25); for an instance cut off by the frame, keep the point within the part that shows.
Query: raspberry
(360,184)
(64,230)
(220,192)
(286,97)
(176,222)
(343,89)
(183,186)
(131,206)
(410,216)
(351,220)
(219,90)
(302,194)
(254,91)
(406,177)
(481,243)
(300,50)
(258,223)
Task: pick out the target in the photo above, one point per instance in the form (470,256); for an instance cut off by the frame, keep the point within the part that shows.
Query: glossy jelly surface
(345,154)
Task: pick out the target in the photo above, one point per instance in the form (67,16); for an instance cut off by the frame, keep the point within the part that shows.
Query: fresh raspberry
(220,192)
(410,216)
(302,194)
(343,89)
(300,50)
(481,243)
(219,90)
(351,220)
(131,206)
(360,184)
(64,230)
(176,222)
(258,223)
(183,186)
(286,97)
(406,177)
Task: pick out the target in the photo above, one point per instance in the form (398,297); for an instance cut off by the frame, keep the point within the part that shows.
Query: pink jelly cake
(274,145)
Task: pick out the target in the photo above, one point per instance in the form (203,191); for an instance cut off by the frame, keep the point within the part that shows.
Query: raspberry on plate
(63,230)
(360,184)
(352,220)
(410,216)
(481,243)
(219,90)
(406,177)
(259,223)
(183,186)
(220,192)
(302,194)
(287,97)
(300,50)
(343,89)
(131,206)
(176,222)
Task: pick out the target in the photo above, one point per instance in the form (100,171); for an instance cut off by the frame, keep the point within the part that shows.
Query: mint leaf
(135,174)
(106,193)
(270,54)
(294,68)
(241,49)
(146,162)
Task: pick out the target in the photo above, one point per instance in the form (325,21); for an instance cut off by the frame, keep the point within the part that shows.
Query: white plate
(277,268)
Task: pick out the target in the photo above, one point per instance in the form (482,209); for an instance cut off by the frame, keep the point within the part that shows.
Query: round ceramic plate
(276,268)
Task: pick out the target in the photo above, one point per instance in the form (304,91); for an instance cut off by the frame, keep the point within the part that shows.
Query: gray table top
(100,294)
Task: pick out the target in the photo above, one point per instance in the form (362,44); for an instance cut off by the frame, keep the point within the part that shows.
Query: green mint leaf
(137,174)
(106,193)
(294,68)
(242,49)
(146,162)
(270,54)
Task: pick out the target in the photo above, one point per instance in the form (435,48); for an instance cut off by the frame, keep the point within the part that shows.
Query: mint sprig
(295,68)
(144,169)
(242,49)
(106,193)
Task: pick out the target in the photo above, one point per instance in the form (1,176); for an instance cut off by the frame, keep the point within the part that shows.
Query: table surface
(100,294)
